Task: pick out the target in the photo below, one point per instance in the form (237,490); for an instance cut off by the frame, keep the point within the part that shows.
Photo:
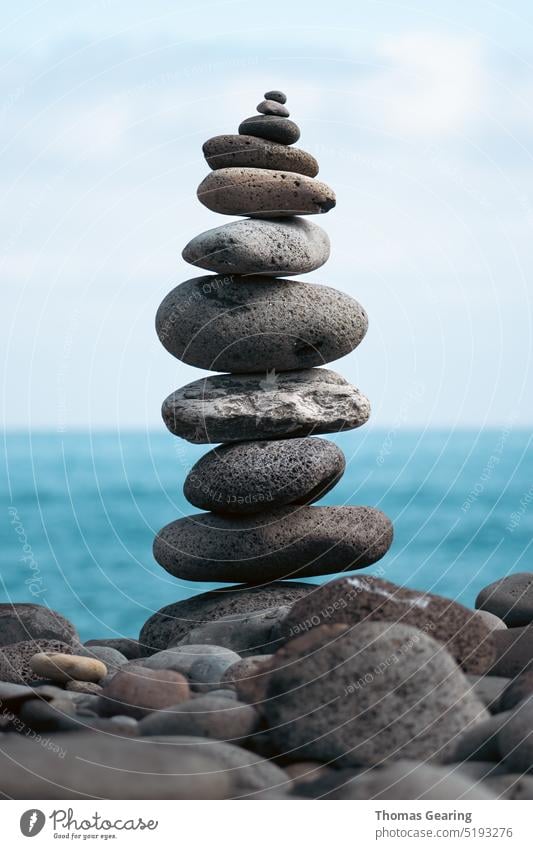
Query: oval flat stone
(233,151)
(250,476)
(262,193)
(276,95)
(272,127)
(272,107)
(67,667)
(288,542)
(251,324)
(259,246)
(510,598)
(245,407)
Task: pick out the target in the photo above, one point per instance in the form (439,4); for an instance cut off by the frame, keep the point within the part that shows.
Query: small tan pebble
(65,667)
(88,687)
(137,691)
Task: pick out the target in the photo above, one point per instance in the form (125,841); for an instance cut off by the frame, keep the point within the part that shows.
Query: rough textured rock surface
(288,542)
(510,598)
(248,477)
(273,127)
(173,622)
(362,695)
(250,678)
(86,766)
(254,246)
(233,151)
(245,407)
(136,691)
(262,193)
(214,717)
(22,622)
(358,598)
(514,651)
(15,658)
(256,324)
(256,633)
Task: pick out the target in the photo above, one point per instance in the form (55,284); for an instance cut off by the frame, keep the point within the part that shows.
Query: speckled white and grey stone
(246,407)
(273,127)
(260,246)
(272,107)
(262,193)
(173,622)
(248,477)
(376,691)
(288,542)
(254,324)
(234,151)
(214,717)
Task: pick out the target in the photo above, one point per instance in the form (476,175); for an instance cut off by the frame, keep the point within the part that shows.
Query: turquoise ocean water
(80,511)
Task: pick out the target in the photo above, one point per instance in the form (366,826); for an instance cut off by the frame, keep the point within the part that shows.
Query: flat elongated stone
(240,407)
(262,193)
(255,324)
(273,127)
(250,476)
(272,107)
(275,94)
(258,246)
(233,151)
(289,542)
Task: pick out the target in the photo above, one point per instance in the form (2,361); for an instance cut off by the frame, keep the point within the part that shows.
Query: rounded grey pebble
(258,324)
(273,127)
(246,407)
(173,622)
(288,542)
(210,716)
(247,635)
(248,477)
(234,151)
(276,95)
(260,246)
(272,107)
(112,658)
(183,657)
(510,598)
(262,193)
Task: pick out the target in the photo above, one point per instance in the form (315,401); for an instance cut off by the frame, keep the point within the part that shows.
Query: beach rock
(481,741)
(510,786)
(272,107)
(365,694)
(217,718)
(112,658)
(288,542)
(87,766)
(173,622)
(247,477)
(85,687)
(137,691)
(516,690)
(250,678)
(515,738)
(255,633)
(257,324)
(63,667)
(22,622)
(12,696)
(259,246)
(514,651)
(127,646)
(353,599)
(276,95)
(181,658)
(273,127)
(206,673)
(492,621)
(264,193)
(510,598)
(246,407)
(489,689)
(15,658)
(230,151)
(56,715)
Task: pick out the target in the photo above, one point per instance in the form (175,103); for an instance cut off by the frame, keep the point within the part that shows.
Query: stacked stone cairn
(356,688)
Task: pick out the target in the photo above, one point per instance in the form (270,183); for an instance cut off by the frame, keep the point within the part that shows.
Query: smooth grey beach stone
(174,621)
(515,738)
(368,693)
(253,634)
(15,658)
(288,542)
(514,651)
(489,690)
(493,622)
(481,741)
(276,95)
(181,658)
(262,193)
(258,324)
(92,766)
(215,717)
(260,246)
(127,646)
(273,127)
(248,477)
(245,407)
(510,598)
(272,107)
(22,622)
(112,658)
(234,151)
(517,689)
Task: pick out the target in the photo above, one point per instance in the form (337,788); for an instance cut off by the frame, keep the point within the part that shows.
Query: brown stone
(137,691)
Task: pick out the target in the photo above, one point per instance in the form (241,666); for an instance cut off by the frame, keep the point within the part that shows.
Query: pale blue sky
(421,117)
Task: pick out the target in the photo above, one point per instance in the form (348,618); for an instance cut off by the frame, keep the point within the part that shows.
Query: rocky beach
(271,687)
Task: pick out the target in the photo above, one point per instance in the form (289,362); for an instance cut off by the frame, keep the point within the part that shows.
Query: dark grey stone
(125,645)
(234,151)
(510,598)
(22,622)
(256,633)
(272,107)
(214,717)
(272,127)
(276,95)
